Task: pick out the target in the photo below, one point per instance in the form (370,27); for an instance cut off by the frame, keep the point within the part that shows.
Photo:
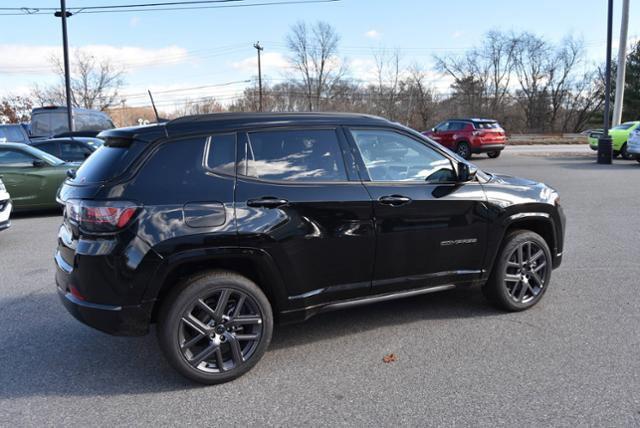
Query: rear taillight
(100,216)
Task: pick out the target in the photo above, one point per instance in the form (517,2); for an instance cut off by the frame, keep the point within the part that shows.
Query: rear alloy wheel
(463,150)
(494,155)
(521,273)
(215,327)
(624,153)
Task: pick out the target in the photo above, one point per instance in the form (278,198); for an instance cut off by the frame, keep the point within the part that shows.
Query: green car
(619,135)
(31,176)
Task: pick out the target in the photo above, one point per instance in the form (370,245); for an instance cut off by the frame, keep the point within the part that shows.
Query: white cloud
(271,62)
(457,34)
(133,22)
(35,59)
(373,34)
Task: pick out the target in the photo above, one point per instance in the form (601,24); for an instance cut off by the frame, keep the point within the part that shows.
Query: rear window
(108,162)
(12,134)
(486,125)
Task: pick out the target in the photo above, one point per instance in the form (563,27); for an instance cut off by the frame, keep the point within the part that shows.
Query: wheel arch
(254,264)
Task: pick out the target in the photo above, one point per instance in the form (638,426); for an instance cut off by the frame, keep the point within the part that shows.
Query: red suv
(468,136)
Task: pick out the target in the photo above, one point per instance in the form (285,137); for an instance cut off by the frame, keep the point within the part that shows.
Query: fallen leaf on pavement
(390,358)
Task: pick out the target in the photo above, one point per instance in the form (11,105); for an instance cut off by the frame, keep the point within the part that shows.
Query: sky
(211,50)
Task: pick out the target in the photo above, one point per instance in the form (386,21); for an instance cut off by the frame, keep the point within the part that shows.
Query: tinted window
(457,126)
(15,158)
(221,153)
(50,147)
(11,134)
(108,162)
(310,155)
(73,151)
(174,166)
(391,156)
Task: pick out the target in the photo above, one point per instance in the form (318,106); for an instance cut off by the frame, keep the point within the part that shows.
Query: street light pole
(259,49)
(67,73)
(605,148)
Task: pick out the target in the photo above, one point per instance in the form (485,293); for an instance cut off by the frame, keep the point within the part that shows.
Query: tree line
(528,83)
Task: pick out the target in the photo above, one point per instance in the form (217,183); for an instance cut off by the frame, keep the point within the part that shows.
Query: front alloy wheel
(215,327)
(521,273)
(525,272)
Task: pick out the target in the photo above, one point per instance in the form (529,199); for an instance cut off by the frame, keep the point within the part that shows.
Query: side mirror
(39,163)
(466,172)
(71,173)
(434,130)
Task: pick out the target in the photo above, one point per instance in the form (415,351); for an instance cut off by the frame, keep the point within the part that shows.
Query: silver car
(633,143)
(5,207)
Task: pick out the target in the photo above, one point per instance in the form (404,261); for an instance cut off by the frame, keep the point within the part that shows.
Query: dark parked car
(468,136)
(69,149)
(13,133)
(216,226)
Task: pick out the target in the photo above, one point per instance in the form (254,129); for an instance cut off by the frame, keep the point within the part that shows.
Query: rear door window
(312,155)
(74,151)
(50,147)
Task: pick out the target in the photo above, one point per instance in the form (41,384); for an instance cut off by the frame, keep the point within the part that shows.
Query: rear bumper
(487,148)
(112,319)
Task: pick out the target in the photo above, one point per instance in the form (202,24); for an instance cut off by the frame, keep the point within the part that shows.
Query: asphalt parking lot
(572,360)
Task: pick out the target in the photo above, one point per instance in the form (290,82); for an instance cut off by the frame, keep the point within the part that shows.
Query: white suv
(633,144)
(5,207)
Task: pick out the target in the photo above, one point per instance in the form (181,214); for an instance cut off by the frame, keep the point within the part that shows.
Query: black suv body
(205,223)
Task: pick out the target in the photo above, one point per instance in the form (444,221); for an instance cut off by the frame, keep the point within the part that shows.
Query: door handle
(267,202)
(394,200)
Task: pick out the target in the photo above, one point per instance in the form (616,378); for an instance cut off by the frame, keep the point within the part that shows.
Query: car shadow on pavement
(459,303)
(56,212)
(46,352)
(578,163)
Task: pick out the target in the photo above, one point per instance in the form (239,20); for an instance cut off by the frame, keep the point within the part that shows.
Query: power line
(27,11)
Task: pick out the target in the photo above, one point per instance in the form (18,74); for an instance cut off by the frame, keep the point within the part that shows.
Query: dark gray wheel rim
(526,272)
(221,331)
(463,150)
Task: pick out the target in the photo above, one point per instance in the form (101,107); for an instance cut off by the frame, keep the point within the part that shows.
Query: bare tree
(15,109)
(94,84)
(388,76)
(314,55)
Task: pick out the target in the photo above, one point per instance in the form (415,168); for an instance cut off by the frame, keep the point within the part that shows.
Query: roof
(473,119)
(217,122)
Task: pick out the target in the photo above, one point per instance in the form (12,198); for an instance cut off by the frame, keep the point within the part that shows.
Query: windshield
(623,126)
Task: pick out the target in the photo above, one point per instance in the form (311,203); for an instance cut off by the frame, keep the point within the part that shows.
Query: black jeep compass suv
(216,226)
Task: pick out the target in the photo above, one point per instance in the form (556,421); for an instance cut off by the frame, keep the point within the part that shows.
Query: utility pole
(622,65)
(122,124)
(65,48)
(605,149)
(259,49)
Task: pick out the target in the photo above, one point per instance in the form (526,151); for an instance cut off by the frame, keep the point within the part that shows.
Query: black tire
(495,154)
(463,150)
(625,154)
(505,292)
(217,335)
